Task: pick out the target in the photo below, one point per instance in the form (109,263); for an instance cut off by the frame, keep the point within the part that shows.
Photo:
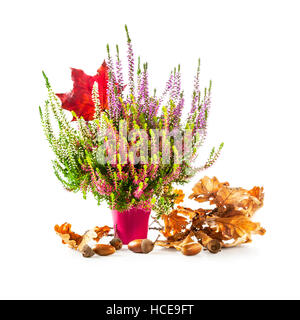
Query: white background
(250,49)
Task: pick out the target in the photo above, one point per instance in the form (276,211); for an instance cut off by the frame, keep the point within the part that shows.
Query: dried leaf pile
(76,241)
(228,223)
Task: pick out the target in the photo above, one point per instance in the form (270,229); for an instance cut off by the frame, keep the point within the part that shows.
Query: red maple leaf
(79,99)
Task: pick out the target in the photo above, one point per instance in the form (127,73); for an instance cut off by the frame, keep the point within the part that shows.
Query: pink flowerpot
(131,224)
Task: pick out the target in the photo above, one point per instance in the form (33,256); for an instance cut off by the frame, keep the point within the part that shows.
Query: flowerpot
(131,224)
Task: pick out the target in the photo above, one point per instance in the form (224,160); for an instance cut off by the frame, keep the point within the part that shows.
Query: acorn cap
(147,246)
(87,251)
(214,246)
(117,243)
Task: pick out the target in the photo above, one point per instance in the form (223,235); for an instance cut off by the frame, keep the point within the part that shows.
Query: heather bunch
(132,152)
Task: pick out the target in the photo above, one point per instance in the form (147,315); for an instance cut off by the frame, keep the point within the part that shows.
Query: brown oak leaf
(240,199)
(206,189)
(179,196)
(238,228)
(68,237)
(176,244)
(101,232)
(174,223)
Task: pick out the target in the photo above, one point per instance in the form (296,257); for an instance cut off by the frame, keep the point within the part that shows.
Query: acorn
(213,245)
(104,249)
(191,249)
(87,251)
(135,245)
(141,245)
(117,243)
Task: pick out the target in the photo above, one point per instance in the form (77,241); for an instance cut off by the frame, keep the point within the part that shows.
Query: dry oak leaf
(178,236)
(247,202)
(180,196)
(192,213)
(101,232)
(257,192)
(220,194)
(68,237)
(176,244)
(206,189)
(257,195)
(86,238)
(238,227)
(197,217)
(174,223)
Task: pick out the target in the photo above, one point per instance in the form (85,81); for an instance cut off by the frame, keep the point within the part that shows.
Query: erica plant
(125,145)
